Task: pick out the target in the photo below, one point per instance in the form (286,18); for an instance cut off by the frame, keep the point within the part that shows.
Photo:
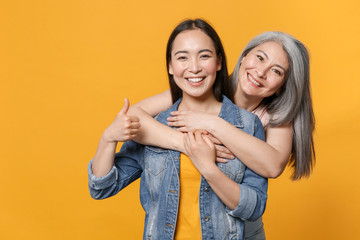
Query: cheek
(249,61)
(211,67)
(178,69)
(241,76)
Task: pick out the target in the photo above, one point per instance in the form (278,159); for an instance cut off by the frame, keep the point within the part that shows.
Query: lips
(251,79)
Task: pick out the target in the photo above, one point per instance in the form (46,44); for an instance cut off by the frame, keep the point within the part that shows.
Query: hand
(200,149)
(124,128)
(222,152)
(187,121)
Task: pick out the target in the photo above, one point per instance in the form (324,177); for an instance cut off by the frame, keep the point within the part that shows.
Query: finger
(198,136)
(135,125)
(214,139)
(221,160)
(132,136)
(176,124)
(186,142)
(208,141)
(224,155)
(129,137)
(174,113)
(125,107)
(178,113)
(133,118)
(203,132)
(133,131)
(222,149)
(183,129)
(191,138)
(174,119)
(223,152)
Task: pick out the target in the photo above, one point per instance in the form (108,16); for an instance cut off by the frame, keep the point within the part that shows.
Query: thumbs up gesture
(124,128)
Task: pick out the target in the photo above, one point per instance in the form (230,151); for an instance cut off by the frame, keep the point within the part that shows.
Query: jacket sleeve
(126,169)
(253,189)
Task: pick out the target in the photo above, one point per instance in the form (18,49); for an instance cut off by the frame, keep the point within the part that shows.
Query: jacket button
(207,218)
(207,189)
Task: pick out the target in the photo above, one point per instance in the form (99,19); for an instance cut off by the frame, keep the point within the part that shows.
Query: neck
(207,104)
(248,103)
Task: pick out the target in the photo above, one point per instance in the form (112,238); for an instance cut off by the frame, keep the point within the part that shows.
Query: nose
(261,71)
(194,66)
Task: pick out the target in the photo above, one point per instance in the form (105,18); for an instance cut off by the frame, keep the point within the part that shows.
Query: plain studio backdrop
(66,66)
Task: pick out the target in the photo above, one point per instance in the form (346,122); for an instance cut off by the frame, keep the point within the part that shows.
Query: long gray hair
(293,103)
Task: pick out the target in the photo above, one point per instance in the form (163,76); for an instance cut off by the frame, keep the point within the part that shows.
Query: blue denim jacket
(160,186)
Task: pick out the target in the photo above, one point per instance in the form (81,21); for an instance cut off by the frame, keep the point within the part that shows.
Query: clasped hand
(187,121)
(200,149)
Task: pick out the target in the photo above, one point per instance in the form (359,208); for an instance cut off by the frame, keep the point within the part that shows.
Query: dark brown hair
(222,84)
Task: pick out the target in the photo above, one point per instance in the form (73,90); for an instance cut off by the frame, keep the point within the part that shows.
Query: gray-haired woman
(270,79)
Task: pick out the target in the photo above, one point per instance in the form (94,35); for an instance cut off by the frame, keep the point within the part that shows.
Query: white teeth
(195,80)
(253,81)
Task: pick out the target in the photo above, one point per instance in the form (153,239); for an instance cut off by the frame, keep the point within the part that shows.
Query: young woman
(214,198)
(270,79)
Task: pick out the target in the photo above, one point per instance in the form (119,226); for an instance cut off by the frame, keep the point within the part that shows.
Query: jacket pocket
(234,169)
(155,160)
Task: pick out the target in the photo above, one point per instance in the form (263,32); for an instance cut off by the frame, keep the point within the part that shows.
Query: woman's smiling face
(263,71)
(194,63)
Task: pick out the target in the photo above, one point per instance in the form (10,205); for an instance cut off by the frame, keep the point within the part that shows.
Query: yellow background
(66,66)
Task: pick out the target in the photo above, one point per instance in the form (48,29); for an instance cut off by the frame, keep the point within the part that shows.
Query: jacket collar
(229,112)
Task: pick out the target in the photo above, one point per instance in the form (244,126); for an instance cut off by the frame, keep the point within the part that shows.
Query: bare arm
(122,129)
(151,131)
(249,194)
(268,159)
(201,151)
(154,133)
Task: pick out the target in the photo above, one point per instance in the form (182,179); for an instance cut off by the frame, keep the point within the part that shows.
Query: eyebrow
(268,58)
(201,51)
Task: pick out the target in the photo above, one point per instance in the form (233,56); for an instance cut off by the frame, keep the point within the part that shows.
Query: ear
(170,69)
(218,64)
(242,59)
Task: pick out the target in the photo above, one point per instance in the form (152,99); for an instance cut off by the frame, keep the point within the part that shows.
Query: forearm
(256,154)
(225,188)
(104,157)
(154,133)
(124,169)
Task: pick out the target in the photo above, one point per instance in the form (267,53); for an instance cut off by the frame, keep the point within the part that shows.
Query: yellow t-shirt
(188,222)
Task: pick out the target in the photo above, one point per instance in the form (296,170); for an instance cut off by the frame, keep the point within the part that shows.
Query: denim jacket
(160,186)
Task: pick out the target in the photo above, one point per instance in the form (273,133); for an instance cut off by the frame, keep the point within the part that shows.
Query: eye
(277,72)
(260,57)
(181,58)
(205,56)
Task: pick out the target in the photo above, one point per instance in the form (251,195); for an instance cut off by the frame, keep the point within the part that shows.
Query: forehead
(274,52)
(192,40)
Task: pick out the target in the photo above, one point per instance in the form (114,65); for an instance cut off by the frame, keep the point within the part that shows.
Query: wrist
(211,124)
(178,142)
(210,171)
(107,136)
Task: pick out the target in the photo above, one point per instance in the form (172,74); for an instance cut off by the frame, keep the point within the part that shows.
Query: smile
(195,80)
(254,81)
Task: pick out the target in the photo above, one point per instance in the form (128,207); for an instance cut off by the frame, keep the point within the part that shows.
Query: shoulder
(161,117)
(263,115)
(237,116)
